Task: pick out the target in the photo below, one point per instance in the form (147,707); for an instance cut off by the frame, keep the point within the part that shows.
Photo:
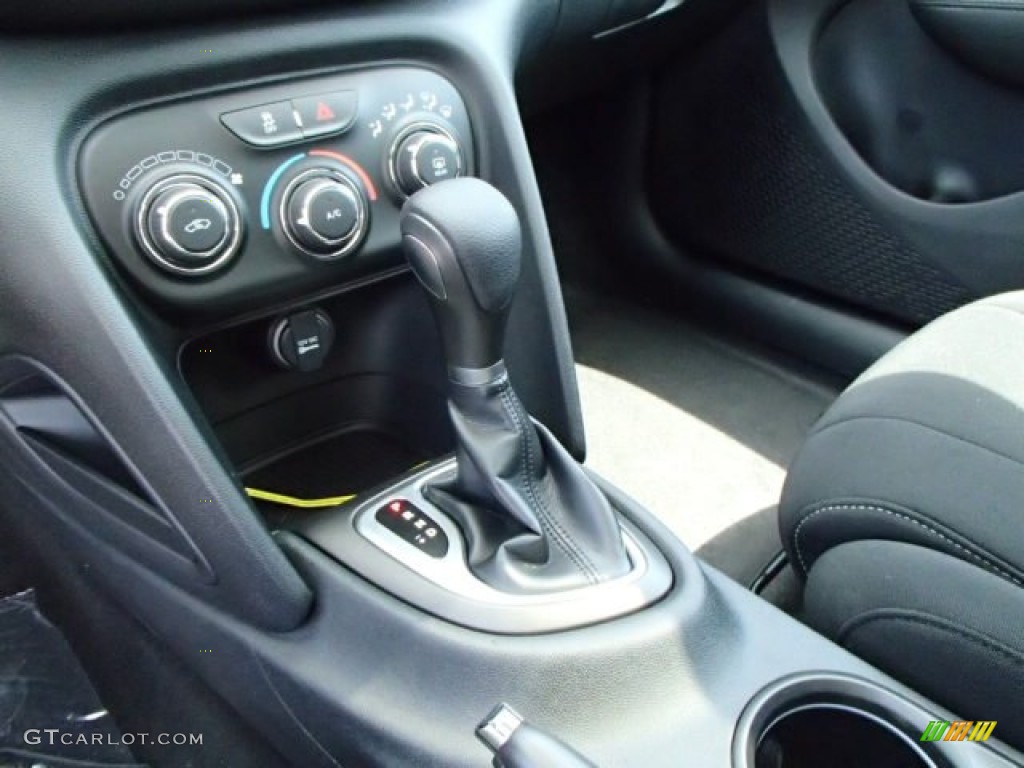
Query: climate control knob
(188,224)
(422,155)
(324,213)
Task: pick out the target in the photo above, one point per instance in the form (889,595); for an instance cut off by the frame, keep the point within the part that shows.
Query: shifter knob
(534,522)
(463,241)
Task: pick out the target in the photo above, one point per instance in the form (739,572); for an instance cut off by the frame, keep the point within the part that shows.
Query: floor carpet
(696,427)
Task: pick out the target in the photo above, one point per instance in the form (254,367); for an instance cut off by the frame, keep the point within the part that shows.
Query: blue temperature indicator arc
(268,190)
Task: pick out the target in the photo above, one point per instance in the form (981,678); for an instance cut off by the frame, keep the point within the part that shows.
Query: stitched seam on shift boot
(988,564)
(545,517)
(559,536)
(917,617)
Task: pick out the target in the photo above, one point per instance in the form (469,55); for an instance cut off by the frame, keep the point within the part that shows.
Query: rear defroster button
(423,154)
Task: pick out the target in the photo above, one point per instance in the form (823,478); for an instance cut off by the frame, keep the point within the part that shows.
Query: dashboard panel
(218,203)
(129,180)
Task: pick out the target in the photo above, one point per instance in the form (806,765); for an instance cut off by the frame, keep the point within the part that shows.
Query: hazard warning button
(325,113)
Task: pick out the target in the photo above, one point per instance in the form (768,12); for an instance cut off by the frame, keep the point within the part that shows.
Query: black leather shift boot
(533,520)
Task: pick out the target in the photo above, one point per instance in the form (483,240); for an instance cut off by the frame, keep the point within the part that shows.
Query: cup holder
(840,737)
(834,720)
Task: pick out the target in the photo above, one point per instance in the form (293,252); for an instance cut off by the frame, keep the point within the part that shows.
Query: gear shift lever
(533,520)
(463,243)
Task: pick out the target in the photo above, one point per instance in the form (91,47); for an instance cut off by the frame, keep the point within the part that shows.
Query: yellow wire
(292,501)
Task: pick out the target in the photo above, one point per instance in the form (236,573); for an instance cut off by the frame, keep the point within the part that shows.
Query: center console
(264,220)
(477,562)
(297,189)
(320,419)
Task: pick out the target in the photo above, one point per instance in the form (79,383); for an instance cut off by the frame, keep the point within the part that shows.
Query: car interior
(527,383)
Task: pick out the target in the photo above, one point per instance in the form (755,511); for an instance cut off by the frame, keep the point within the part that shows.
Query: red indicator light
(324,112)
(395,506)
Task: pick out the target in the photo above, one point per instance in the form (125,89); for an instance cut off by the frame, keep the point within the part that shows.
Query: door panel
(836,147)
(918,117)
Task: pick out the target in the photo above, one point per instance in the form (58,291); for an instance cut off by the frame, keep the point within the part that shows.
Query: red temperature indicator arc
(371,188)
(348,162)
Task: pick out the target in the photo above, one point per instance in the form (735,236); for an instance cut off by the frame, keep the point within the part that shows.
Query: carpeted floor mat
(696,427)
(49,713)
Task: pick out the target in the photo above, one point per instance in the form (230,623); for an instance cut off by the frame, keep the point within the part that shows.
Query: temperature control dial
(424,154)
(324,213)
(188,224)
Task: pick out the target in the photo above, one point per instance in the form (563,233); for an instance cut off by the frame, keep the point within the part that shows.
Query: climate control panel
(217,204)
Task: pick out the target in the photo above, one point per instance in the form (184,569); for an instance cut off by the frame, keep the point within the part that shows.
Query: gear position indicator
(413,525)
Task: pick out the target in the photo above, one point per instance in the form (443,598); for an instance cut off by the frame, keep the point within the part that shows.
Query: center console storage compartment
(375,409)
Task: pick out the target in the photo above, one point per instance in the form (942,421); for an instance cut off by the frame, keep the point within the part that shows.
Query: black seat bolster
(950,630)
(925,448)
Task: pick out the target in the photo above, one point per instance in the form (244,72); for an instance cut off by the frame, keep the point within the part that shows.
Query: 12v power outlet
(301,341)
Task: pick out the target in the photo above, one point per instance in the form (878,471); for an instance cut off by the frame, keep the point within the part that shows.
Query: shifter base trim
(447,589)
(452,571)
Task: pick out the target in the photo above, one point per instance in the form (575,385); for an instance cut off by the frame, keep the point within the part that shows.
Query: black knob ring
(429,129)
(173,257)
(332,249)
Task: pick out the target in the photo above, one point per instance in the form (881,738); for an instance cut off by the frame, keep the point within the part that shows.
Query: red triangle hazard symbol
(324,112)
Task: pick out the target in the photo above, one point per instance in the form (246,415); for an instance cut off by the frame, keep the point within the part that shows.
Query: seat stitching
(863,417)
(873,508)
(995,302)
(914,617)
